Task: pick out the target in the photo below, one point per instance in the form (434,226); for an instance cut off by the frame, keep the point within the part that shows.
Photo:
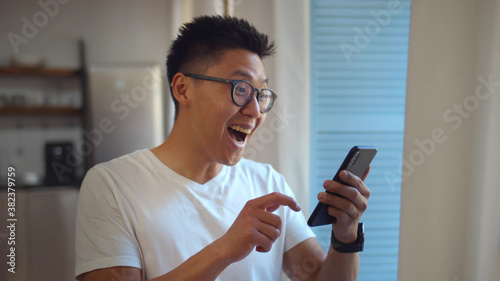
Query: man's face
(221,128)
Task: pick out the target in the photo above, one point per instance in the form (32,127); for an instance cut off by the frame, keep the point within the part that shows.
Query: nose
(252,108)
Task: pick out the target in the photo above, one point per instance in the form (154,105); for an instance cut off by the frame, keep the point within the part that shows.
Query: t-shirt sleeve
(297,229)
(104,238)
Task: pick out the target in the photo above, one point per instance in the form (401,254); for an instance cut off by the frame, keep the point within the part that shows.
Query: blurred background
(82,82)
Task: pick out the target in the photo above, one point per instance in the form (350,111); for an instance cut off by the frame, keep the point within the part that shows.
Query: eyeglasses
(242,92)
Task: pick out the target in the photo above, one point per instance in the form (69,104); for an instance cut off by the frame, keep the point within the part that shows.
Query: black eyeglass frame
(234,83)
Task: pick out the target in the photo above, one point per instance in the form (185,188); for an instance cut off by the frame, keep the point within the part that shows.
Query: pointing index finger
(273,201)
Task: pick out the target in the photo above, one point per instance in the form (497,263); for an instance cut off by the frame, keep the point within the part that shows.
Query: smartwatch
(354,247)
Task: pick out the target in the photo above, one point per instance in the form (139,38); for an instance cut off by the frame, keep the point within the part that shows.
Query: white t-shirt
(135,211)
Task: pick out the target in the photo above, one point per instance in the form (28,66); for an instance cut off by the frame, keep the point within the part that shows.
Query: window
(358,79)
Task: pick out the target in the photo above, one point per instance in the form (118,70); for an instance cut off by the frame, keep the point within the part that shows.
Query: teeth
(240,129)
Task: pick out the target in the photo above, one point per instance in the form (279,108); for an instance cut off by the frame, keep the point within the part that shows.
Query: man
(192,208)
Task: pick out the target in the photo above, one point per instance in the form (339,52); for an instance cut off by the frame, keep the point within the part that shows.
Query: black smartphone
(357,162)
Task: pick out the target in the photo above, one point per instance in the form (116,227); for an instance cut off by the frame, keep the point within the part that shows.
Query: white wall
(124,31)
(483,255)
(439,204)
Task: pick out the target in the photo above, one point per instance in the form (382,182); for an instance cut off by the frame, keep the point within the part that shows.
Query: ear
(180,89)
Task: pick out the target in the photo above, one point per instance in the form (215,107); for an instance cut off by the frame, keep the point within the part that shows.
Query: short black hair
(200,43)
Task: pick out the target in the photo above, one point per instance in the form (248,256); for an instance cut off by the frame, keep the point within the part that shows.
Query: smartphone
(357,162)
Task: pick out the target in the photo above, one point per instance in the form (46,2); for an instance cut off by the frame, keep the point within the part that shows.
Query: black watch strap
(356,246)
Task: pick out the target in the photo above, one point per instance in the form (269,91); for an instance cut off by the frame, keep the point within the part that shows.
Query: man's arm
(118,273)
(256,227)
(307,260)
(205,265)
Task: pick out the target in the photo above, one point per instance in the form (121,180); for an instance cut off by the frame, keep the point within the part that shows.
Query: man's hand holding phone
(345,199)
(349,206)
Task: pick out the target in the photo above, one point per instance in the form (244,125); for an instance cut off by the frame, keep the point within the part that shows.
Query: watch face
(361,231)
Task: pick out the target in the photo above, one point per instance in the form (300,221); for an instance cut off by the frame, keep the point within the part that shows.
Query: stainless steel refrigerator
(125,110)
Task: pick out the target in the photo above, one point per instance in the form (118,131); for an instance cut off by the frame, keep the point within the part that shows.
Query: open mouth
(238,134)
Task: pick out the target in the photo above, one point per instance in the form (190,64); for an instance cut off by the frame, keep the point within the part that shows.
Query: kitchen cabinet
(44,234)
(41,106)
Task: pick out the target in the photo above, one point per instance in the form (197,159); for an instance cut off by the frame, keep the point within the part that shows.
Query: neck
(182,157)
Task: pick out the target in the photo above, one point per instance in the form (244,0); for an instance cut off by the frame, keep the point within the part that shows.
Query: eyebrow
(248,76)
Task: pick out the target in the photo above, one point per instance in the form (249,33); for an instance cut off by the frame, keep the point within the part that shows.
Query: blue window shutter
(358,78)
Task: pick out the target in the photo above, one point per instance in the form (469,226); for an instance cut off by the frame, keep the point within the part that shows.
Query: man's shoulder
(139,157)
(122,173)
(124,165)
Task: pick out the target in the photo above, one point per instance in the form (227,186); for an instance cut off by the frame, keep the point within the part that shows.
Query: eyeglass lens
(243,93)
